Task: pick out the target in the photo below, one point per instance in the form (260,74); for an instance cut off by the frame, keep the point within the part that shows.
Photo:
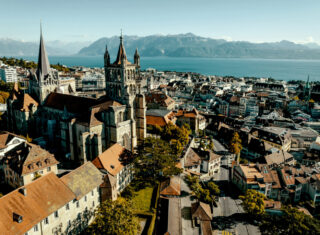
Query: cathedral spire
(106,57)
(43,62)
(121,56)
(137,57)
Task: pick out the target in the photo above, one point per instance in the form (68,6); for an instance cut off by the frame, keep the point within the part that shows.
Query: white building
(210,164)
(8,74)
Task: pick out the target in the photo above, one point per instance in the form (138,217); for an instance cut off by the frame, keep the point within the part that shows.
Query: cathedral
(81,127)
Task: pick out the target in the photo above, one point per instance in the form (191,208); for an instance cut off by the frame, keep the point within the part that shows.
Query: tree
(156,158)
(214,189)
(114,217)
(235,146)
(253,202)
(211,145)
(292,221)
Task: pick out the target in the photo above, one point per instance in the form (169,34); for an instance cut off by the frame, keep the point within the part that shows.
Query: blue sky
(88,20)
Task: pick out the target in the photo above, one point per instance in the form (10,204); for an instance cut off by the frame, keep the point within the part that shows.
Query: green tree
(214,189)
(292,222)
(253,202)
(235,146)
(211,145)
(114,217)
(156,158)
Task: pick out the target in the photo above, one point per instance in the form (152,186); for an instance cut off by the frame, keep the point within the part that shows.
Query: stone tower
(44,80)
(137,58)
(122,85)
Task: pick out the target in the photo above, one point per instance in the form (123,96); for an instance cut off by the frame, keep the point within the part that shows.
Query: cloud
(227,38)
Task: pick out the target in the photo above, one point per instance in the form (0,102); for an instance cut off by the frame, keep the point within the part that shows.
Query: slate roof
(43,62)
(83,179)
(121,54)
(44,196)
(73,104)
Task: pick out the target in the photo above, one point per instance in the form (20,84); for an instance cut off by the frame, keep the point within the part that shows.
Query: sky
(89,20)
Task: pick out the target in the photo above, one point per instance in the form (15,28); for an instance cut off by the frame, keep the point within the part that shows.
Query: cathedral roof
(73,104)
(43,69)
(121,54)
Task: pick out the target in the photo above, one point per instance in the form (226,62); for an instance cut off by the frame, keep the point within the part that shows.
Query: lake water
(278,69)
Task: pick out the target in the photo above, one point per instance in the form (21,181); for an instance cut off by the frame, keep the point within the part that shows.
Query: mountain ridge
(191,45)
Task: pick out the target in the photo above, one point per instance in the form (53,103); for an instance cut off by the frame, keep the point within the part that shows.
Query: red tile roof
(112,159)
(43,197)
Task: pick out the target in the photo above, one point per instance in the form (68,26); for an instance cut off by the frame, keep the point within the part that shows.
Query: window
(85,198)
(46,221)
(49,169)
(35,228)
(93,204)
(69,223)
(67,206)
(56,214)
(41,172)
(92,192)
(77,204)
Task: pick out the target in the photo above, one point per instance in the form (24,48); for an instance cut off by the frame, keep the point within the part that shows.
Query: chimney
(23,191)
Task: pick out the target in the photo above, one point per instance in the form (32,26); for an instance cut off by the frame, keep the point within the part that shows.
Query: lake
(238,67)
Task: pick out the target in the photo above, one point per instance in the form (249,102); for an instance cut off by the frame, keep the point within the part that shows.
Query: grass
(141,202)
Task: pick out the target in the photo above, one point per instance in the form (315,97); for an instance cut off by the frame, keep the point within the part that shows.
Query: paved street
(186,201)
(229,214)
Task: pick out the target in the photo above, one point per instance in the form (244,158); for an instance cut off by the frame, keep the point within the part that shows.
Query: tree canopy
(292,221)
(203,192)
(235,146)
(156,158)
(114,217)
(253,202)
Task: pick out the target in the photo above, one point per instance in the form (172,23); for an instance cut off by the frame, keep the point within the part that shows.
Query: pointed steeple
(121,56)
(43,62)
(106,57)
(137,57)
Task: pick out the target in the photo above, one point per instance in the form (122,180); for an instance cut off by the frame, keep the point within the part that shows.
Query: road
(229,215)
(186,201)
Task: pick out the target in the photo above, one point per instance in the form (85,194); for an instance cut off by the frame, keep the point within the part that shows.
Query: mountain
(10,47)
(190,45)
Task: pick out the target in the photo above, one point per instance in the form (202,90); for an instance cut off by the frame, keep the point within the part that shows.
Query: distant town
(118,150)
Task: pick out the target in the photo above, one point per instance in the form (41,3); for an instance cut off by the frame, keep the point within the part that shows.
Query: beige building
(116,164)
(51,205)
(25,163)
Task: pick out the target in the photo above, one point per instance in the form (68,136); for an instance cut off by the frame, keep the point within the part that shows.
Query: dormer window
(17,218)
(39,164)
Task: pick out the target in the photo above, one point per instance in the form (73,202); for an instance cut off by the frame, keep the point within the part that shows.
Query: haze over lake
(278,69)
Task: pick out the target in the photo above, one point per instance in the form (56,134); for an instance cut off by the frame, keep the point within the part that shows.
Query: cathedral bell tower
(122,85)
